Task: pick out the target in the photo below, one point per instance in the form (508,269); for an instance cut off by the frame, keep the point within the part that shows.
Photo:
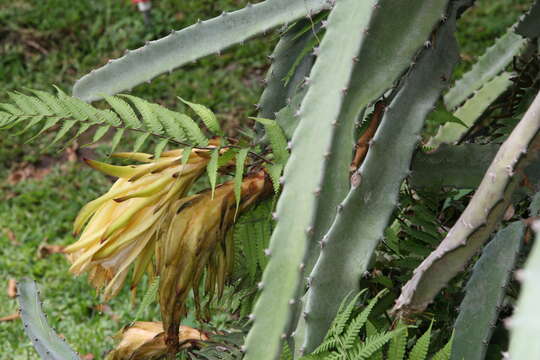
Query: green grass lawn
(55,42)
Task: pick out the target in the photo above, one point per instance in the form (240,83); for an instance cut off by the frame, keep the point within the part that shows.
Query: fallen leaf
(11,317)
(11,236)
(88,356)
(45,250)
(12,288)
(26,171)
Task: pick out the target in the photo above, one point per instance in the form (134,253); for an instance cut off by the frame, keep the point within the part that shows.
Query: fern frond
(344,315)
(371,331)
(372,344)
(278,140)
(446,352)
(47,110)
(396,350)
(207,116)
(148,298)
(353,329)
(420,349)
(212,169)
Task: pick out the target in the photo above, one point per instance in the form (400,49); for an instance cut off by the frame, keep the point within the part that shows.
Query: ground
(41,189)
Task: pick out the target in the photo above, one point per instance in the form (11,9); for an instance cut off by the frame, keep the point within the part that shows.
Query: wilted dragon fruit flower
(124,224)
(146,340)
(196,247)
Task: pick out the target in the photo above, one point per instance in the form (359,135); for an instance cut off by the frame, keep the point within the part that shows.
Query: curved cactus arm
(459,166)
(352,70)
(479,219)
(485,292)
(524,325)
(297,204)
(278,92)
(189,44)
(529,26)
(472,110)
(494,60)
(365,212)
(48,345)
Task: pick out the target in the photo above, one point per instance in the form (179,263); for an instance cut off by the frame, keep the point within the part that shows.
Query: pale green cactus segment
(494,60)
(298,202)
(365,212)
(529,26)
(524,325)
(472,110)
(485,292)
(46,342)
(189,44)
(459,166)
(480,218)
(278,92)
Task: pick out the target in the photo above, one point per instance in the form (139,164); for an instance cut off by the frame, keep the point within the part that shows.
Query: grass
(57,41)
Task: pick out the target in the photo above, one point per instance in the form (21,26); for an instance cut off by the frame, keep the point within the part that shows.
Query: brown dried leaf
(12,288)
(45,250)
(11,317)
(11,236)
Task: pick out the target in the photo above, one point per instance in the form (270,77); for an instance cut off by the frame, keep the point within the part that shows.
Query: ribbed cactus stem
(46,342)
(358,227)
(529,26)
(289,50)
(479,219)
(472,110)
(485,293)
(524,325)
(191,43)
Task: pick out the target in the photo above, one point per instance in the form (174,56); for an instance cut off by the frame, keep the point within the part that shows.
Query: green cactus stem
(479,219)
(189,44)
(524,325)
(45,340)
(529,26)
(493,62)
(362,217)
(485,292)
(472,110)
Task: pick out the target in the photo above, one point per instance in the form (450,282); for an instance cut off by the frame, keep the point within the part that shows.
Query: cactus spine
(485,292)
(479,219)
(48,345)
(189,44)
(359,225)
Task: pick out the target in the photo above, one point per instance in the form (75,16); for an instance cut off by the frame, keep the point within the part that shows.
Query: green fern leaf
(169,122)
(277,139)
(160,147)
(420,349)
(116,140)
(371,331)
(186,154)
(372,344)
(446,352)
(148,298)
(398,345)
(191,129)
(100,132)
(33,122)
(353,330)
(207,116)
(125,111)
(212,169)
(149,118)
(12,109)
(239,175)
(79,109)
(286,354)
(108,117)
(49,123)
(66,126)
(52,102)
(275,171)
(344,315)
(139,142)
(29,104)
